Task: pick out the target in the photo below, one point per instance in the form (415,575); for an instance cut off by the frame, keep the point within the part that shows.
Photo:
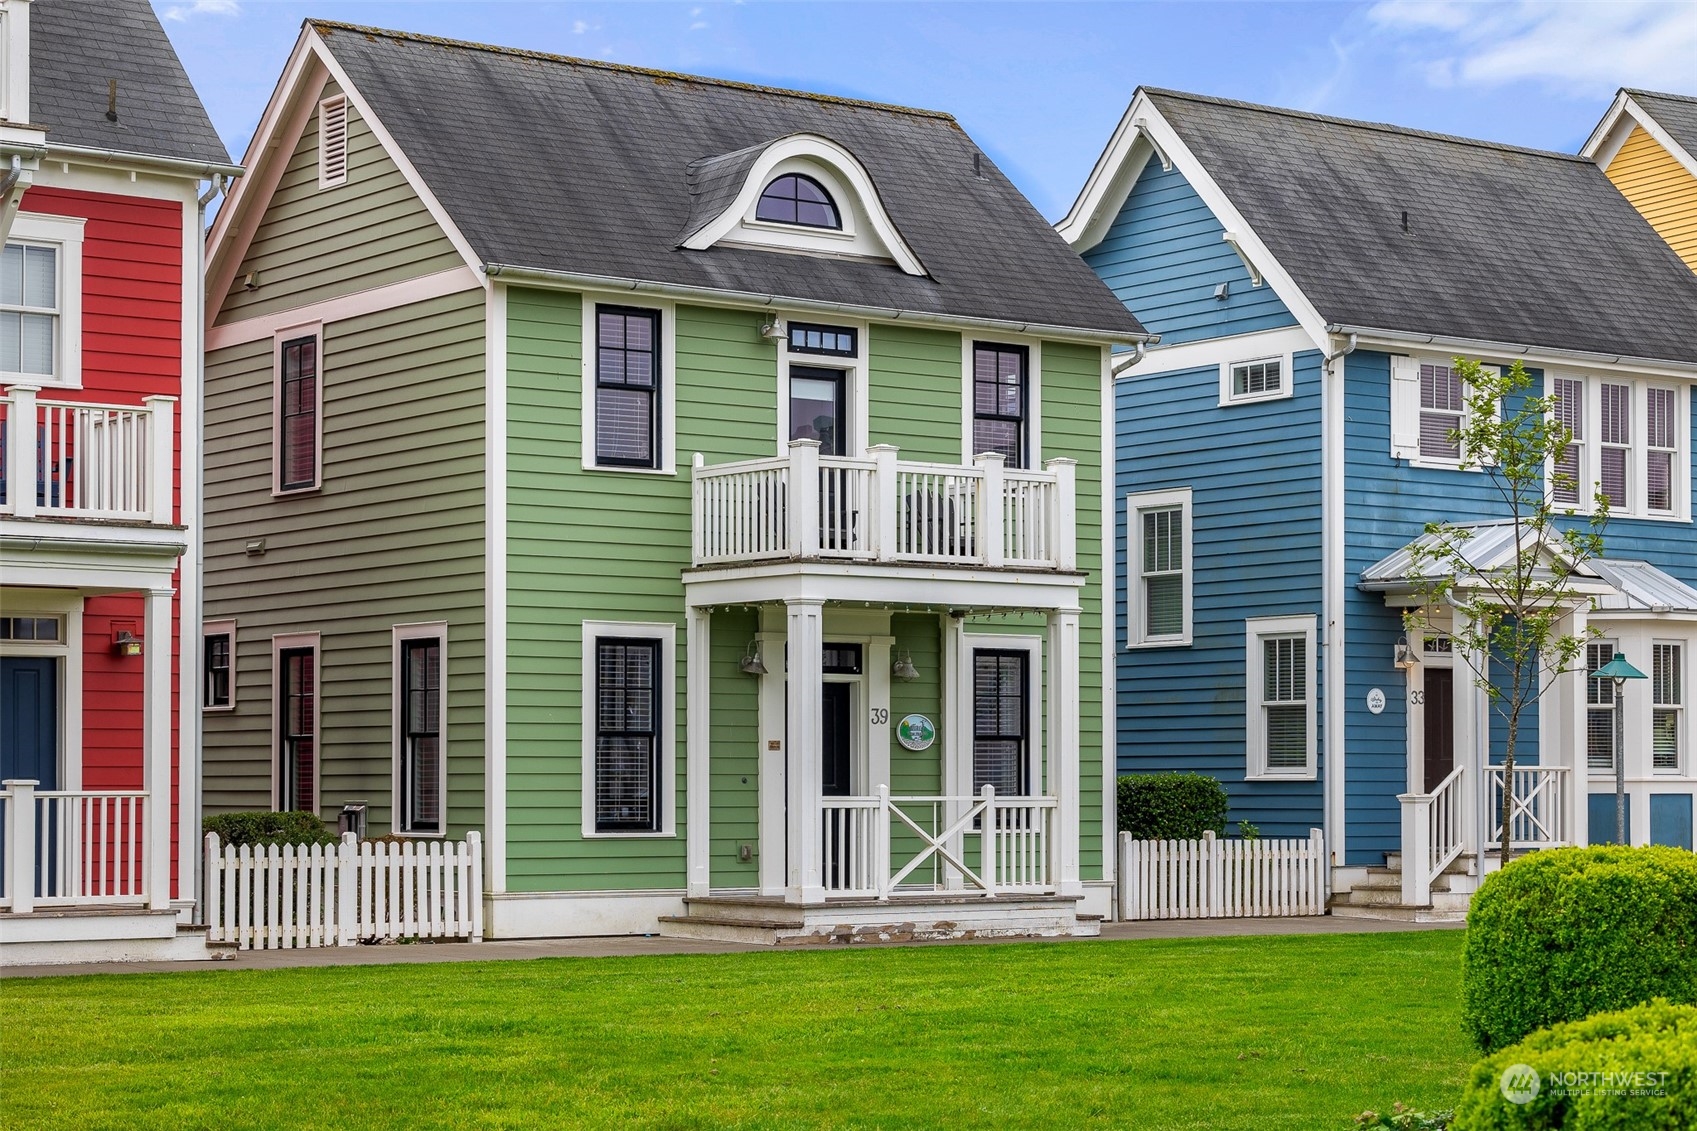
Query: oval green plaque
(915,732)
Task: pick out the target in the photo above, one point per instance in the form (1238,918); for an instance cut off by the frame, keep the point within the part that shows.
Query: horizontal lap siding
(1256,528)
(1662,189)
(315,243)
(1164,257)
(395,536)
(734,764)
(915,392)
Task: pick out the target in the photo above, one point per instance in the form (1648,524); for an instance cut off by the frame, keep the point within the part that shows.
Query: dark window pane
(796,199)
(999,401)
(1000,713)
(627,723)
(627,376)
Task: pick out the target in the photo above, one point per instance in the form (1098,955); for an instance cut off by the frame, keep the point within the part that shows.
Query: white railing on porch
(65,848)
(283,896)
(70,459)
(1213,878)
(1536,812)
(876,847)
(1434,832)
(805,505)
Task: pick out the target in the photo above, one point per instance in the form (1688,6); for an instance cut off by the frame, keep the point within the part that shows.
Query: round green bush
(1171,806)
(1561,934)
(1631,1070)
(293,827)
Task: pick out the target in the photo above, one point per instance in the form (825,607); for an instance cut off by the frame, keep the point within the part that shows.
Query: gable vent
(332,142)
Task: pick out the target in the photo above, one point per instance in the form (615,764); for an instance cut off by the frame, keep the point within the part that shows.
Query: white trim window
(1667,706)
(629,730)
(1158,591)
(41,301)
(295,721)
(1599,709)
(333,142)
(297,407)
(218,665)
(629,403)
(420,780)
(1257,379)
(1631,442)
(823,391)
(1281,738)
(1428,407)
(1001,400)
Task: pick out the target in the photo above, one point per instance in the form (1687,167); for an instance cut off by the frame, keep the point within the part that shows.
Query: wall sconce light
(773,330)
(125,642)
(903,668)
(1405,657)
(751,664)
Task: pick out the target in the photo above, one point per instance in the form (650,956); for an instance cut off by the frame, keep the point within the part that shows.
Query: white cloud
(1581,48)
(180,12)
(698,25)
(580,26)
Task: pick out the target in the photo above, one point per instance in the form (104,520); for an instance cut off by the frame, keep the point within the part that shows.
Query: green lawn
(1297,1032)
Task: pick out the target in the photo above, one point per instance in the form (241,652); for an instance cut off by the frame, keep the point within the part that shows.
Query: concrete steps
(771,921)
(1379,896)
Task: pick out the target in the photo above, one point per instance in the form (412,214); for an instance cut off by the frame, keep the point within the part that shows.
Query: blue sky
(1041,85)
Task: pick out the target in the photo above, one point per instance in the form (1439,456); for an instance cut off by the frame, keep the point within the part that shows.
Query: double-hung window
(627,387)
(1281,719)
(628,690)
(420,779)
(217,665)
(1159,531)
(1667,706)
(298,428)
(297,722)
(41,301)
(1568,485)
(1630,445)
(1661,447)
(1614,444)
(1429,409)
(1001,401)
(1599,709)
(1001,721)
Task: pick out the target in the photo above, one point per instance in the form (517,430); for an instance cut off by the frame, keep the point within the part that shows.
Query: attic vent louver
(332,142)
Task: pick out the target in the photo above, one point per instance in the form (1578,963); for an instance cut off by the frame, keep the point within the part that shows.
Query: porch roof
(1484,548)
(1640,587)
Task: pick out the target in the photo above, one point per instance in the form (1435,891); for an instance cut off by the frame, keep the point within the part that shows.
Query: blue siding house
(1312,281)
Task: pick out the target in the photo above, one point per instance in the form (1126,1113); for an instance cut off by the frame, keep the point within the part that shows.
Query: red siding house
(107,160)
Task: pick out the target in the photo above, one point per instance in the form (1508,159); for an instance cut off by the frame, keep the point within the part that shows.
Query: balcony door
(819,407)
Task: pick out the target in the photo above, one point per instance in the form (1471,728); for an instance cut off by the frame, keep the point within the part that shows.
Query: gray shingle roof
(1504,244)
(1675,113)
(578,166)
(77,49)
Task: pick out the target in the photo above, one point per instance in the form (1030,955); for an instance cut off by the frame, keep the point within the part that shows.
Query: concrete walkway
(633,945)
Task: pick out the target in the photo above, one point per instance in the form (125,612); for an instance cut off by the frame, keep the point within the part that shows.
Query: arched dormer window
(796,198)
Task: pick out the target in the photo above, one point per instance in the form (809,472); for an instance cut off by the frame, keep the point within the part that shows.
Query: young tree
(1507,615)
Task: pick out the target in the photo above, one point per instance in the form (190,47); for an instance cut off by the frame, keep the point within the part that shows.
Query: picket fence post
(474,895)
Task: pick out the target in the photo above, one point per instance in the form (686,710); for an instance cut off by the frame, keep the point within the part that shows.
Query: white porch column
(160,450)
(1472,746)
(156,744)
(884,529)
(1571,709)
(1063,709)
(697,744)
(806,727)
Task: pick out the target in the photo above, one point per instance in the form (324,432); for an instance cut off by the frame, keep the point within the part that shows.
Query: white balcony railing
(808,506)
(61,848)
(874,847)
(63,459)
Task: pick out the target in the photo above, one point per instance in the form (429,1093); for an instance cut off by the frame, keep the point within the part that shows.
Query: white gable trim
(1088,220)
(851,176)
(1611,133)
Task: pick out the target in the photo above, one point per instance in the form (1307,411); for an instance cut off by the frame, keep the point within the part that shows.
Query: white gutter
(201,170)
(756,301)
(1504,349)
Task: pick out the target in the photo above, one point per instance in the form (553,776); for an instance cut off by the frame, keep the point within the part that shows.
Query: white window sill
(45,384)
(419,835)
(1430,464)
(1160,642)
(616,469)
(1257,398)
(224,710)
(293,491)
(668,834)
(1302,775)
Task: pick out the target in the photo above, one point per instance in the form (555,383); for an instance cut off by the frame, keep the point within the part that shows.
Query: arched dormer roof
(726,191)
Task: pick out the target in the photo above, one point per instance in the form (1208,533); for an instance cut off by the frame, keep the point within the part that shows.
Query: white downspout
(1332,588)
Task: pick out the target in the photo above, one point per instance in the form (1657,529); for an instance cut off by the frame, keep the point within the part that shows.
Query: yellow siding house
(1647,145)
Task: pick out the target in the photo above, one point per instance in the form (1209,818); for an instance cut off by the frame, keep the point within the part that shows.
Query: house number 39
(880,716)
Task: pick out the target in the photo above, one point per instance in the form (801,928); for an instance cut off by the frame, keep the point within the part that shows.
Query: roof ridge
(675,76)
(1382,127)
(1642,93)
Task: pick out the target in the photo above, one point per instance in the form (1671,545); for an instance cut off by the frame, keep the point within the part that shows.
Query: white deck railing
(285,896)
(1536,811)
(1434,832)
(876,847)
(809,506)
(64,848)
(65,459)
(1212,878)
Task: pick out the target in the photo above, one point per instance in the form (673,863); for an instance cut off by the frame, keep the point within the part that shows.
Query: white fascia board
(1115,171)
(881,585)
(1210,353)
(1402,341)
(1662,137)
(1611,133)
(1602,136)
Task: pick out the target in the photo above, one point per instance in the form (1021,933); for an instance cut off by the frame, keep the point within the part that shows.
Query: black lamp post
(1618,670)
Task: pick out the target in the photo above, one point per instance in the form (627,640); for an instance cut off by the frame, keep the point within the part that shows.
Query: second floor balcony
(77,460)
(804,506)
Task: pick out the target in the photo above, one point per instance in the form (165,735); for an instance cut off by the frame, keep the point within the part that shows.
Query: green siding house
(697,488)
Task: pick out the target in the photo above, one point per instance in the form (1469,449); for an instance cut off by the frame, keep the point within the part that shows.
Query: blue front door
(29,719)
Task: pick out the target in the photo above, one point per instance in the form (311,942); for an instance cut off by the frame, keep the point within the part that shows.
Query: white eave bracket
(1232,241)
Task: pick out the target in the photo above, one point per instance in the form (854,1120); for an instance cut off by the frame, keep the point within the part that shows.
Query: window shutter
(1405,407)
(332,142)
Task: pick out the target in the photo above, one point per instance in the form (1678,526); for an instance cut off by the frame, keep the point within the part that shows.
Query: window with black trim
(420,734)
(796,198)
(835,341)
(627,386)
(297,414)
(627,734)
(1000,400)
(1001,719)
(297,728)
(217,665)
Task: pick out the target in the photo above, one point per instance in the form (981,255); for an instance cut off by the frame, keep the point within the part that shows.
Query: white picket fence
(283,896)
(1222,879)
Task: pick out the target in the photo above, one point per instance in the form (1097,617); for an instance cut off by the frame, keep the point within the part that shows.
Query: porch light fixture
(1405,657)
(773,330)
(1619,671)
(751,664)
(126,643)
(903,668)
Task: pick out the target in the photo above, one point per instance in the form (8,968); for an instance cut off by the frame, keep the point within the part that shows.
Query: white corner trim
(666,434)
(824,154)
(495,592)
(1107,594)
(666,787)
(355,305)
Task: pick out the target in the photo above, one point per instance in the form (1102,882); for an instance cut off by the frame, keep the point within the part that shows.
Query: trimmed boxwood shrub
(1635,1046)
(296,827)
(1562,934)
(1171,806)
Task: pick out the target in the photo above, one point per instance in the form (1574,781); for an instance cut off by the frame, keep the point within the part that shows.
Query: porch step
(1397,913)
(1379,896)
(104,934)
(907,918)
